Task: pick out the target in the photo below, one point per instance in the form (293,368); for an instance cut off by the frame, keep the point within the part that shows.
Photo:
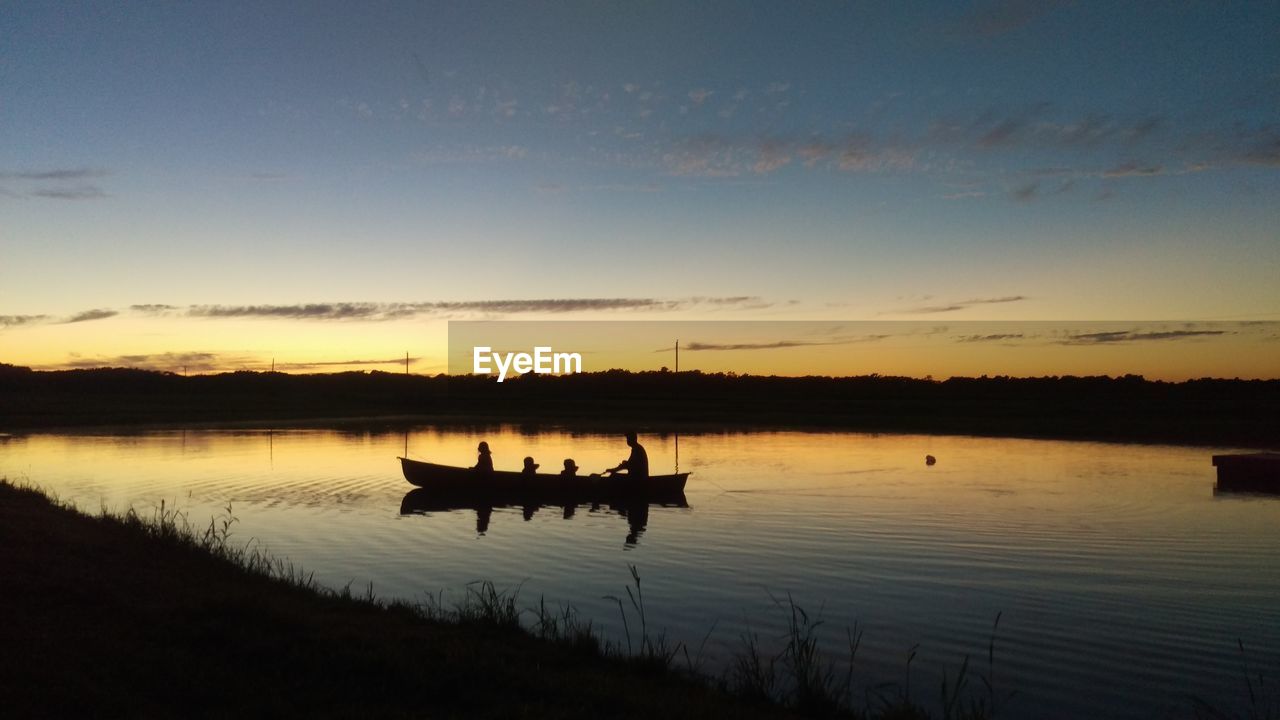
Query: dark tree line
(1122,408)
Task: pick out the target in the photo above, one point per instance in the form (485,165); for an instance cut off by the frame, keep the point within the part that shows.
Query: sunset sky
(215,185)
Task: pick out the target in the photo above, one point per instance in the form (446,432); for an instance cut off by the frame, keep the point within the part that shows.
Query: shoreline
(122,616)
(129,616)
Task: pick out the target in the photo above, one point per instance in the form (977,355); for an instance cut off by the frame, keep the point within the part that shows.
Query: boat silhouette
(507,487)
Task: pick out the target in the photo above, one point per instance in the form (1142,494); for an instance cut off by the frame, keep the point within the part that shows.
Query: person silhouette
(530,468)
(484,459)
(570,468)
(637,464)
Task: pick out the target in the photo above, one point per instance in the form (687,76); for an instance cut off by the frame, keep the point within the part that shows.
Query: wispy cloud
(773,155)
(205,362)
(1064,187)
(393,311)
(169,361)
(88,315)
(1035,131)
(8,321)
(85,316)
(60,177)
(711,155)
(1026,193)
(814,151)
(471,154)
(79,192)
(153,308)
(961,305)
(861,154)
(1264,149)
(776,344)
(1131,336)
(555,305)
(752,301)
(651,187)
(1091,130)
(1131,169)
(1002,133)
(343,363)
(995,337)
(700,95)
(57,174)
(752,346)
(706,156)
(308,311)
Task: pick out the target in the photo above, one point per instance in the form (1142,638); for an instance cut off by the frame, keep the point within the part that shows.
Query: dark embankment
(1210,411)
(106,617)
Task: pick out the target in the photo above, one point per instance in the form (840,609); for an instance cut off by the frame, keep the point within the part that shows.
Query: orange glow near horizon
(1156,350)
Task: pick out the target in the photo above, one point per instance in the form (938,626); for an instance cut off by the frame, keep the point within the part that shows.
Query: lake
(1123,582)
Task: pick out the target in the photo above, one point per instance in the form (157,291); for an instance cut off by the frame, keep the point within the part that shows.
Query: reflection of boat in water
(519,488)
(423,500)
(635,509)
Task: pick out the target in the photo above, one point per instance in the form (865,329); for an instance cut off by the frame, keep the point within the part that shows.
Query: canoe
(447,479)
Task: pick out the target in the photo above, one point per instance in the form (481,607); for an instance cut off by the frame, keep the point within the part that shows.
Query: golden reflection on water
(977,485)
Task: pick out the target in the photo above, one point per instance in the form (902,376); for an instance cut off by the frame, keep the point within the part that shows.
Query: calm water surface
(1123,580)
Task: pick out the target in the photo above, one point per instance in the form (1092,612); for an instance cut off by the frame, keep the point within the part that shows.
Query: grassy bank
(117,616)
(122,615)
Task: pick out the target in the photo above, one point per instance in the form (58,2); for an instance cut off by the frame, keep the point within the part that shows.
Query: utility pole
(406,363)
(677,354)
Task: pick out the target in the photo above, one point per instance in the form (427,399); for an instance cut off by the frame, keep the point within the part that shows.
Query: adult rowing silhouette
(637,464)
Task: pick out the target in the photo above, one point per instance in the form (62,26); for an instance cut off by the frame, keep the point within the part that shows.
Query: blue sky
(826,159)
